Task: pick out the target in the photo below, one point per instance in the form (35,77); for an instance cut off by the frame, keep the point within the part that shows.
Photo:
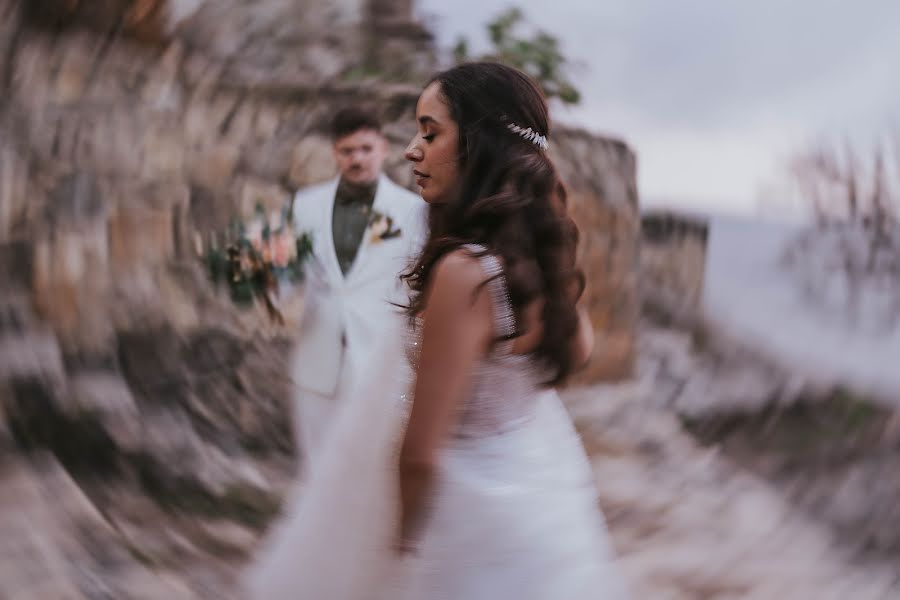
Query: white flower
(254,233)
(379,228)
(275,222)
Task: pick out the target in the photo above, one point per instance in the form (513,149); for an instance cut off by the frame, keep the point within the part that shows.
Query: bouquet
(259,259)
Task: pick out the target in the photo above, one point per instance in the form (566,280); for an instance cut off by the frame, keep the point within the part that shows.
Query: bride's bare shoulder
(459,269)
(456,282)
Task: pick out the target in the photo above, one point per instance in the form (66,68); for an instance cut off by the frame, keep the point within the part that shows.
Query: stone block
(613,358)
(268,159)
(71,284)
(104,141)
(31,356)
(16,264)
(273,197)
(164,153)
(142,231)
(143,19)
(608,255)
(266,121)
(13,187)
(673,261)
(72,78)
(163,90)
(214,167)
(205,212)
(312,161)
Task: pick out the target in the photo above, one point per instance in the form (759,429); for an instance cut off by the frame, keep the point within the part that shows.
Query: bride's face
(434,151)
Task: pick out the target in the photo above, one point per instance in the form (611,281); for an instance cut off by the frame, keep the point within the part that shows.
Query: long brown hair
(511,200)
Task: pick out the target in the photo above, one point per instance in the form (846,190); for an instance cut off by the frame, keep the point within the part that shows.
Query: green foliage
(538,55)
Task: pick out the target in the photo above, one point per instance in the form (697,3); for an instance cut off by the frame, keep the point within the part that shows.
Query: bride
(453,471)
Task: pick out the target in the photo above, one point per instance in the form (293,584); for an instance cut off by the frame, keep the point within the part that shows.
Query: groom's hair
(352,119)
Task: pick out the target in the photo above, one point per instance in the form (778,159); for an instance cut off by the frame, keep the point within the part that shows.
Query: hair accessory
(529,134)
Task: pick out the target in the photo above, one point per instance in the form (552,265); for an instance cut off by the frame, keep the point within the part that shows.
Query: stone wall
(117,155)
(601,177)
(673,263)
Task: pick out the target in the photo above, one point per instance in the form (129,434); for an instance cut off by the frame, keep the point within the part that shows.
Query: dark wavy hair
(352,119)
(510,200)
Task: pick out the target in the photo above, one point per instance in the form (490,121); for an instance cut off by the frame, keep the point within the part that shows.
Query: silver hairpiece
(529,134)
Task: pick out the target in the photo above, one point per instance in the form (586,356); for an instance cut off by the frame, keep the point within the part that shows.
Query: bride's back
(505,382)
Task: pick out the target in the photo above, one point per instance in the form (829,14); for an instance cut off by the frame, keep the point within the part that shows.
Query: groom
(365,230)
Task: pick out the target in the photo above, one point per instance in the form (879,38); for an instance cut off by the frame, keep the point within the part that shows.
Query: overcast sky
(713,94)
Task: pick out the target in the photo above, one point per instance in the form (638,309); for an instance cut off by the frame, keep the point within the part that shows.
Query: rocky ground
(689,518)
(725,476)
(689,523)
(145,470)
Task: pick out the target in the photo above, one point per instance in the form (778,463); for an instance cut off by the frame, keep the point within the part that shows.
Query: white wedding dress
(514,513)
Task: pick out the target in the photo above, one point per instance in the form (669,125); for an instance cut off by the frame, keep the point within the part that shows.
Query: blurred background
(735,172)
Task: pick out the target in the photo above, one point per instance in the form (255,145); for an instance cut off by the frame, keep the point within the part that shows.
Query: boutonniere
(382,227)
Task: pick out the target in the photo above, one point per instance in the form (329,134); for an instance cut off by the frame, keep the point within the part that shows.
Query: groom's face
(360,156)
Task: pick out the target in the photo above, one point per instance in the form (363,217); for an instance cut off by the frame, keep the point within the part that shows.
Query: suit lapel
(382,205)
(327,252)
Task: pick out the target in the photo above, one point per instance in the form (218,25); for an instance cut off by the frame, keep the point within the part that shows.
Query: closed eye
(428,138)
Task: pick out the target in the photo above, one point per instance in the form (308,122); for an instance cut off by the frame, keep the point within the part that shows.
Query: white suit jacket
(344,315)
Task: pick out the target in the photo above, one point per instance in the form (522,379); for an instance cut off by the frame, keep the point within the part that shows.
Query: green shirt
(349,220)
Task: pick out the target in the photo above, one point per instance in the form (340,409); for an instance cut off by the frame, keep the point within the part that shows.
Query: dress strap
(504,316)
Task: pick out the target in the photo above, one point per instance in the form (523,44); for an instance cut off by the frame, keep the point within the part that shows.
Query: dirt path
(689,525)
